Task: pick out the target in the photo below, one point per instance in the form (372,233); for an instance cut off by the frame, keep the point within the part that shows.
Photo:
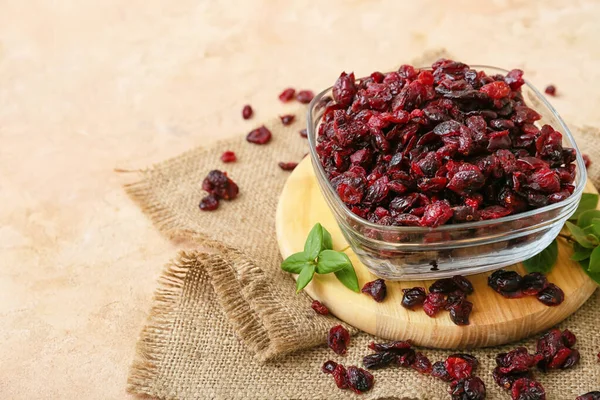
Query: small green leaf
(305,277)
(595,261)
(327,242)
(331,261)
(589,201)
(348,277)
(586,217)
(595,276)
(596,226)
(295,263)
(314,242)
(581,253)
(544,260)
(586,240)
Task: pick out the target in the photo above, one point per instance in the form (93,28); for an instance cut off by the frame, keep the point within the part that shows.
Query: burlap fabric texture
(226,322)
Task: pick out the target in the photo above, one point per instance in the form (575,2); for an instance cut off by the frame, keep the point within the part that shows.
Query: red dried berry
(303,133)
(587,160)
(359,380)
(406,358)
(344,89)
(209,203)
(471,388)
(259,135)
(287,166)
(340,376)
(517,360)
(463,284)
(434,302)
(219,185)
(439,371)
(328,367)
(319,307)
(595,395)
(379,360)
(247,112)
(458,367)
(421,364)
(445,286)
(569,338)
(527,389)
(460,312)
(505,282)
(413,297)
(228,156)
(496,90)
(533,283)
(287,119)
(397,346)
(287,95)
(305,96)
(551,296)
(338,339)
(376,289)
(551,90)
(505,381)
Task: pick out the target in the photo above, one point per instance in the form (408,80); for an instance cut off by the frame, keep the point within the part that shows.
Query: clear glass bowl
(416,253)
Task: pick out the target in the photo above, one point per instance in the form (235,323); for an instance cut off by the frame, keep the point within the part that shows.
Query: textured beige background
(86,86)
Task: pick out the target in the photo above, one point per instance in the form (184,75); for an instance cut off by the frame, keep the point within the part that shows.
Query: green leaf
(581,253)
(327,242)
(305,277)
(348,277)
(314,242)
(331,261)
(589,201)
(594,275)
(586,240)
(594,266)
(544,260)
(295,263)
(586,217)
(596,226)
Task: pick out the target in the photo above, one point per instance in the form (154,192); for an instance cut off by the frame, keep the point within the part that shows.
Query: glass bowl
(417,253)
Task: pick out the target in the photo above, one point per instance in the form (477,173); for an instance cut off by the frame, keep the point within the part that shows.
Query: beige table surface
(87,86)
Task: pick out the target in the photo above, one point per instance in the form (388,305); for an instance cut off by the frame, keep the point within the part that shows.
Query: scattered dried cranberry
(459,367)
(551,296)
(287,166)
(517,360)
(463,284)
(338,339)
(587,160)
(359,380)
(555,350)
(445,286)
(507,283)
(551,90)
(434,302)
(421,364)
(595,395)
(533,283)
(527,389)
(340,376)
(439,371)
(287,119)
(471,388)
(259,135)
(319,308)
(220,186)
(247,111)
(287,95)
(454,298)
(460,312)
(303,133)
(376,289)
(305,96)
(328,367)
(209,203)
(379,360)
(413,297)
(406,358)
(505,381)
(397,346)
(228,156)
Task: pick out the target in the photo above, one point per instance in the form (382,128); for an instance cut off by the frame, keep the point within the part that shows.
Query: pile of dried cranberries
(446,145)
(512,285)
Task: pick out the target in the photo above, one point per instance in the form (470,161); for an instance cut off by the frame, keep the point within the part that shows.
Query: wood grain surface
(495,319)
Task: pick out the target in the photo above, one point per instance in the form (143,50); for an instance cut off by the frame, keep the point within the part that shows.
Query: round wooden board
(495,320)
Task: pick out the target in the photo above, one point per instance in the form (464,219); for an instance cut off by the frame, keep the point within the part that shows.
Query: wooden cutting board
(494,320)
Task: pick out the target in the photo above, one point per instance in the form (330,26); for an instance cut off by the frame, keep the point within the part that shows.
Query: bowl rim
(582,172)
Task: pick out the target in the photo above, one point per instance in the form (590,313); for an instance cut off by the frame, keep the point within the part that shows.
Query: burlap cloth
(226,322)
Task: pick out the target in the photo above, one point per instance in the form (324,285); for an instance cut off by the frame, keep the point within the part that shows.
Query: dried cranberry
(439,371)
(228,156)
(463,284)
(287,95)
(586,160)
(436,214)
(460,312)
(569,338)
(305,96)
(287,166)
(459,367)
(397,346)
(247,112)
(454,298)
(517,360)
(344,89)
(340,376)
(319,307)
(303,133)
(551,296)
(376,289)
(406,358)
(413,297)
(338,339)
(471,388)
(551,90)
(533,283)
(505,381)
(505,282)
(328,367)
(496,90)
(359,380)
(379,360)
(445,286)
(527,389)
(421,364)
(209,203)
(219,185)
(434,302)
(595,395)
(259,135)
(287,119)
